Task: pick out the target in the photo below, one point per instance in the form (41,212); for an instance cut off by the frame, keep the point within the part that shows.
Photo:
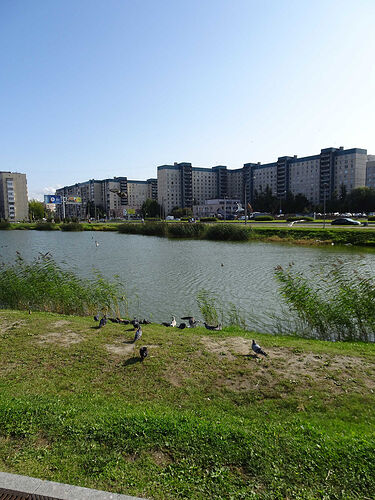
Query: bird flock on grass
(191,322)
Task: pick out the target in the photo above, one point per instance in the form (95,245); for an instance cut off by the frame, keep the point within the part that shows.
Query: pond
(162,277)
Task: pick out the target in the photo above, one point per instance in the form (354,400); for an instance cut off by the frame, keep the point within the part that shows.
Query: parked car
(345,221)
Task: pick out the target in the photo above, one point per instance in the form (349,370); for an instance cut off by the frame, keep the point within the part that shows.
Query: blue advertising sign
(51,198)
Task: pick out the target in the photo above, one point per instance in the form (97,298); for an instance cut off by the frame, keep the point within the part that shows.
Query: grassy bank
(226,232)
(199,418)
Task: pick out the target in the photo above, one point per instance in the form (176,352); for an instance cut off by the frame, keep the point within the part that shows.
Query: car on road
(345,221)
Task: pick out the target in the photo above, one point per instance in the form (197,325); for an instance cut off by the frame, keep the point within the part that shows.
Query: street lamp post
(281,195)
(324,205)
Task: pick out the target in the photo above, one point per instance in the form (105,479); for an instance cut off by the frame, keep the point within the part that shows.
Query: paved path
(54,491)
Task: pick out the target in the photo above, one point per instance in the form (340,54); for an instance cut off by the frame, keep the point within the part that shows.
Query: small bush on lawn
(71,226)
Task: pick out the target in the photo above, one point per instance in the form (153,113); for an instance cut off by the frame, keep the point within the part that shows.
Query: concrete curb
(58,491)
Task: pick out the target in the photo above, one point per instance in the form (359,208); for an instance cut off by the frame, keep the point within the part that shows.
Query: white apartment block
(14,205)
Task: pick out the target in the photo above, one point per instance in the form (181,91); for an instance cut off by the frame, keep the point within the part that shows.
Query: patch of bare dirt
(161,458)
(7,326)
(60,322)
(125,348)
(291,367)
(64,339)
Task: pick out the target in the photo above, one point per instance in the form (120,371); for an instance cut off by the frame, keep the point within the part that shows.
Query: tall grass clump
(208,306)
(227,232)
(186,230)
(334,305)
(45,226)
(148,228)
(42,285)
(4,224)
(71,226)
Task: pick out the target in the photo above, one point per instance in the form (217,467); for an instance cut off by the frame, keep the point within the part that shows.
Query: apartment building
(315,176)
(181,185)
(370,171)
(112,196)
(14,204)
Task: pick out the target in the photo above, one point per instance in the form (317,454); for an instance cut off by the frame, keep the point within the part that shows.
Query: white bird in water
(257,349)
(96,243)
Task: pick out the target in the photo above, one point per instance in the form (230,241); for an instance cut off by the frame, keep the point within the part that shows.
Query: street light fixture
(325,185)
(281,195)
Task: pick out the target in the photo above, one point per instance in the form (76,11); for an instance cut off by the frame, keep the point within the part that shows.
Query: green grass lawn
(200,418)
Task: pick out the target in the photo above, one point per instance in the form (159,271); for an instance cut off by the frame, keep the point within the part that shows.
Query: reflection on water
(162,276)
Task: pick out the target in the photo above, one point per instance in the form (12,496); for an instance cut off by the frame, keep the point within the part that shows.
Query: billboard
(51,198)
(73,199)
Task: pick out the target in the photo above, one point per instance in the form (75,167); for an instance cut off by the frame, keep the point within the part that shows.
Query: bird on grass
(135,323)
(257,349)
(217,327)
(173,323)
(181,326)
(143,353)
(192,321)
(103,322)
(138,334)
(96,317)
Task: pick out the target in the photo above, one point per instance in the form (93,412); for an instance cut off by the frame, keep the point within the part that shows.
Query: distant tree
(181,212)
(265,201)
(36,210)
(150,208)
(361,199)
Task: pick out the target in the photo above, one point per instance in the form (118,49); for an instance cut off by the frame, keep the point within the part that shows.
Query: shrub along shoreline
(220,232)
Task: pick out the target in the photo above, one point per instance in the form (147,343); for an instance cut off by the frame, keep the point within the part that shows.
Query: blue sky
(94,89)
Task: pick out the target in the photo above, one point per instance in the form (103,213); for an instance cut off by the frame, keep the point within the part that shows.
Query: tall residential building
(370,171)
(181,185)
(316,177)
(111,196)
(14,204)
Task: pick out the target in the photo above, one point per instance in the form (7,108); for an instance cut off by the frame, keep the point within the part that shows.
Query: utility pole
(245,208)
(324,204)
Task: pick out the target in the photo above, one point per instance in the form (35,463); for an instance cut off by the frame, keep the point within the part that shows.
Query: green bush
(4,224)
(371,218)
(227,232)
(45,226)
(186,230)
(264,217)
(148,228)
(208,219)
(71,226)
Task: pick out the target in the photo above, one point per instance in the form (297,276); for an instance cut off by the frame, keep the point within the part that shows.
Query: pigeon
(181,326)
(143,353)
(257,349)
(96,317)
(138,334)
(192,322)
(217,327)
(114,320)
(145,322)
(135,323)
(103,322)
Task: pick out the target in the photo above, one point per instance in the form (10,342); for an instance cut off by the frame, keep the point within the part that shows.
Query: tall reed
(335,304)
(42,285)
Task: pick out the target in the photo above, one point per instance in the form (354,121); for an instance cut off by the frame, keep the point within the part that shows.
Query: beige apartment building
(113,196)
(14,205)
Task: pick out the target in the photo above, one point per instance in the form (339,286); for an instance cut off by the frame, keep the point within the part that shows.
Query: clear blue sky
(94,89)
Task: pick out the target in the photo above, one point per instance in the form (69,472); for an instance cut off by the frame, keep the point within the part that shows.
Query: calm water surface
(162,277)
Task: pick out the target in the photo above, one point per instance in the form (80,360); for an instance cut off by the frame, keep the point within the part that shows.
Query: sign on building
(51,198)
(73,199)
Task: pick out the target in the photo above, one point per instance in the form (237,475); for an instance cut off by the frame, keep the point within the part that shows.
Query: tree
(150,208)
(362,199)
(36,210)
(264,201)
(181,212)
